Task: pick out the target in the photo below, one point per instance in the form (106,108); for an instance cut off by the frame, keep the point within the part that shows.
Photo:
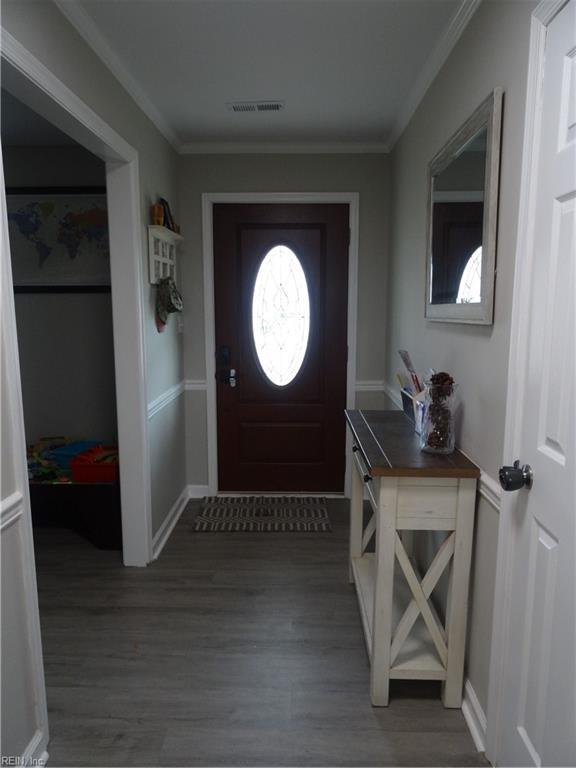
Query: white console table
(409,490)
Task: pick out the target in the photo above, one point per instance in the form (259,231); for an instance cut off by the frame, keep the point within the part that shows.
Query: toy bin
(97,465)
(64,454)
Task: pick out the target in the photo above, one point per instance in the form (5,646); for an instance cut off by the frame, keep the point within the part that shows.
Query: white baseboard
(474,716)
(163,533)
(198,491)
(35,753)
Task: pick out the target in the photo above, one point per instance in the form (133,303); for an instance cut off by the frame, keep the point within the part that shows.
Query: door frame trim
(51,98)
(209,199)
(542,16)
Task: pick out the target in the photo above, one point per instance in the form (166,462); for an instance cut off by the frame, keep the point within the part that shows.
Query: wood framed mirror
(463,183)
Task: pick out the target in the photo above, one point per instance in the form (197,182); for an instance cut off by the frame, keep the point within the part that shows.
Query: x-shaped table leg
(421,592)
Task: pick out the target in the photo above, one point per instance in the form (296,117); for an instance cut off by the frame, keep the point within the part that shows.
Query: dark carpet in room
(231,649)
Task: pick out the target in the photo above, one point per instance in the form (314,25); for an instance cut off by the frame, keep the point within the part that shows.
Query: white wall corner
(474,716)
(393,393)
(163,533)
(432,67)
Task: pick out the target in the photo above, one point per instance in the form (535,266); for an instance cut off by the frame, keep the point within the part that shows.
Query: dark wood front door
(281,415)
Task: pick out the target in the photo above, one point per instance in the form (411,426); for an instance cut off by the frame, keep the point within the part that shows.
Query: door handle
(516,477)
(225,374)
(227,377)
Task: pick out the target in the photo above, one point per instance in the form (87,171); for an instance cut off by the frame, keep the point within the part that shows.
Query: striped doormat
(290,514)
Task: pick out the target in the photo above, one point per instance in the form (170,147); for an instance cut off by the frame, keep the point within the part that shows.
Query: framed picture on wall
(58,237)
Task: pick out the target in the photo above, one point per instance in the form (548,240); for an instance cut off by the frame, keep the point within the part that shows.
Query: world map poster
(58,239)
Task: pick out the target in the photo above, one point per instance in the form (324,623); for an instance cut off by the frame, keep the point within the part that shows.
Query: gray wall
(65,340)
(464,173)
(42,29)
(45,166)
(366,174)
(493,51)
(67,365)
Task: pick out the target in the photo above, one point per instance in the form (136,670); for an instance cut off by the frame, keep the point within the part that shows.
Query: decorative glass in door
(281,315)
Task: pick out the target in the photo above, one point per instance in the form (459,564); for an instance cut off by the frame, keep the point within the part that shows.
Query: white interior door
(24,716)
(532,710)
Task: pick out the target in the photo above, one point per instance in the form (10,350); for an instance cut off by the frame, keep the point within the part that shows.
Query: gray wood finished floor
(231,649)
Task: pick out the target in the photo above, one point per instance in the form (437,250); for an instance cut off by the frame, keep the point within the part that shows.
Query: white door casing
(532,699)
(208,200)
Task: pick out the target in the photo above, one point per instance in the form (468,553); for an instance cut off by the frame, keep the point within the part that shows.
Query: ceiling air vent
(256,106)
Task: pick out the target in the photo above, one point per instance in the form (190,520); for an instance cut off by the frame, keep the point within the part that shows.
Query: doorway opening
(26,79)
(59,247)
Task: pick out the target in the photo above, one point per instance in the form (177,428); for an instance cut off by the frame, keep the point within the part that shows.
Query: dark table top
(390,447)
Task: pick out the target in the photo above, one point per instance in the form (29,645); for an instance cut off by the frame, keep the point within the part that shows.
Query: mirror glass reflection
(457,225)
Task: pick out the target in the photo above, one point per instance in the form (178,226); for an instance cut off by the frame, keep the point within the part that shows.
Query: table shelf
(417,658)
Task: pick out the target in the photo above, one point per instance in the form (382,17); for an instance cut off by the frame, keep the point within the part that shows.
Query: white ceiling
(348,71)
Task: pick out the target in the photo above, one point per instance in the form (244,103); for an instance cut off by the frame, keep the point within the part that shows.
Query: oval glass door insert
(281,315)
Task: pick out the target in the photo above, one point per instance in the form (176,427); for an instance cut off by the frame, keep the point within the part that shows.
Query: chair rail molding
(164,399)
(371,385)
(195,385)
(11,508)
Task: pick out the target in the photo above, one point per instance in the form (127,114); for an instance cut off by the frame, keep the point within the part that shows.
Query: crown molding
(283,148)
(87,29)
(432,67)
